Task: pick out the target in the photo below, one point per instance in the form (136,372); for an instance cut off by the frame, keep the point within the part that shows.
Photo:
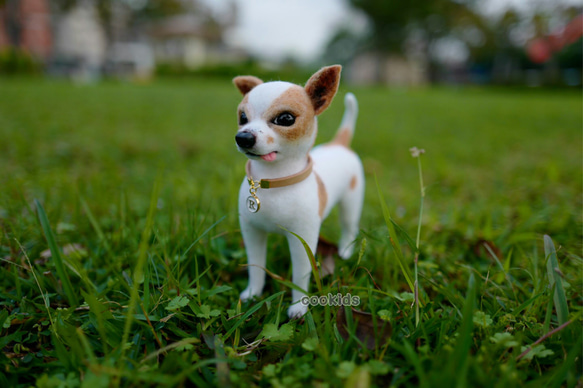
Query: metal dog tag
(253,204)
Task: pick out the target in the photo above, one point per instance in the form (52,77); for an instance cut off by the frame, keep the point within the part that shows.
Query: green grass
(143,181)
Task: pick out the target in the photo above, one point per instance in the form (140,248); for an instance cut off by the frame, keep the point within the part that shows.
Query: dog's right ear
(246,82)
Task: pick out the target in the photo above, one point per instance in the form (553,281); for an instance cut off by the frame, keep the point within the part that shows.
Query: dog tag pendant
(253,204)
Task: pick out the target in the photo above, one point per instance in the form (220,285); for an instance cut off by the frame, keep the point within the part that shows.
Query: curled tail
(346,130)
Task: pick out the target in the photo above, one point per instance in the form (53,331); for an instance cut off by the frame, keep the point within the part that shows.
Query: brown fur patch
(270,140)
(353,182)
(343,138)
(322,195)
(295,101)
(322,87)
(242,106)
(246,82)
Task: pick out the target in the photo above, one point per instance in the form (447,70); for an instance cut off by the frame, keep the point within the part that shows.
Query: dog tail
(346,130)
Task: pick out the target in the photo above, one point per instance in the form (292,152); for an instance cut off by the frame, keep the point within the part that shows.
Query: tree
(132,10)
(410,28)
(392,21)
(12,21)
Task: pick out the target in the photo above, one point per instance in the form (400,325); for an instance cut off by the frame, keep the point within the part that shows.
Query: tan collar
(282,182)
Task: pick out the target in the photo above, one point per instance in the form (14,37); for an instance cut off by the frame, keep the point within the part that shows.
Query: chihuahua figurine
(289,186)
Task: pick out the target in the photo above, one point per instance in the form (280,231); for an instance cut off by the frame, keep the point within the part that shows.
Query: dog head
(277,120)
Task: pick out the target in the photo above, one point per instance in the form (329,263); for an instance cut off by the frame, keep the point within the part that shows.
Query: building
(80,42)
(26,24)
(192,41)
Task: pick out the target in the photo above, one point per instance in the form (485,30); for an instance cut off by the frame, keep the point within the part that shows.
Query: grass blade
(412,357)
(560,375)
(312,260)
(394,240)
(502,268)
(416,152)
(400,231)
(248,313)
(555,281)
(519,309)
(202,235)
(139,270)
(94,224)
(56,255)
(458,364)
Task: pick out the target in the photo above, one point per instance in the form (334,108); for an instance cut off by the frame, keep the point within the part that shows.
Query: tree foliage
(136,10)
(392,21)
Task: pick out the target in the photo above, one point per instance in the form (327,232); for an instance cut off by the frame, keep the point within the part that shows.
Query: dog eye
(243,119)
(285,119)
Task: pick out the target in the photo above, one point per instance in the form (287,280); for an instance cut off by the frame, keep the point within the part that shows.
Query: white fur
(261,97)
(296,207)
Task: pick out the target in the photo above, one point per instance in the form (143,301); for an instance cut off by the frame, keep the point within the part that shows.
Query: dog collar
(253,203)
(281,182)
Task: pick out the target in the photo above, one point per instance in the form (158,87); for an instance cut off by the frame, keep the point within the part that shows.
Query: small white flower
(415,152)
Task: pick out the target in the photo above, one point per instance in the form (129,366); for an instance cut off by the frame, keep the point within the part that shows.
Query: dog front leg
(301,270)
(256,247)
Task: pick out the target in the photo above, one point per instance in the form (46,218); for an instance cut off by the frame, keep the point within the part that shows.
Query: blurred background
(112,110)
(413,43)
(97,96)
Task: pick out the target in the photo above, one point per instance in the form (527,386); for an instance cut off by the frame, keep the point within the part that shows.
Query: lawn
(122,260)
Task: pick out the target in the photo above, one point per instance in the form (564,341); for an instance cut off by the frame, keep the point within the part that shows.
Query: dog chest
(287,207)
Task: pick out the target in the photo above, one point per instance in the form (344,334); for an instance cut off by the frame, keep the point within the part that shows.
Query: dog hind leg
(350,210)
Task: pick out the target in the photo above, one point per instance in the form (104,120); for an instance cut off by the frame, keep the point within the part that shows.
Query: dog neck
(277,169)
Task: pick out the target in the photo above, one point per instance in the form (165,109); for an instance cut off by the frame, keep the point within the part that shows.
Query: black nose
(245,139)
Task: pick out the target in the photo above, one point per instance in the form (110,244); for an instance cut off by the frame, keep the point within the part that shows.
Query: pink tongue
(270,157)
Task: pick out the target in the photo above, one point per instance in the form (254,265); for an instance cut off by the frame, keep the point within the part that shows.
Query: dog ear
(322,86)
(246,82)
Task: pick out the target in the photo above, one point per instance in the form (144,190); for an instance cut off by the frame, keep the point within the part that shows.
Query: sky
(283,28)
(300,29)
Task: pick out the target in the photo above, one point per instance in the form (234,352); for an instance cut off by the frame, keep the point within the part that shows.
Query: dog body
(277,129)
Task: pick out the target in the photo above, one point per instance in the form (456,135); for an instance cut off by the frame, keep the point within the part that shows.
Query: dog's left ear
(246,82)
(322,86)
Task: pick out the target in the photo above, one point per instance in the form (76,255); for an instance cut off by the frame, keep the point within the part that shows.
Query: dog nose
(245,139)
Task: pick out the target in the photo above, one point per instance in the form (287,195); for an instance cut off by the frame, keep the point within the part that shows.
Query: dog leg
(350,210)
(301,270)
(256,246)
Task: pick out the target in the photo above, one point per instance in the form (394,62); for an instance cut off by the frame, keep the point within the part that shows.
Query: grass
(122,259)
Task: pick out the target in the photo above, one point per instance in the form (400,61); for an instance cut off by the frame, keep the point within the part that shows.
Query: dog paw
(297,310)
(346,252)
(247,294)
(327,266)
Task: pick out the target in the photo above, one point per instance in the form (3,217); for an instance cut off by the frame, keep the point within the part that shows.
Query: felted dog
(290,188)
